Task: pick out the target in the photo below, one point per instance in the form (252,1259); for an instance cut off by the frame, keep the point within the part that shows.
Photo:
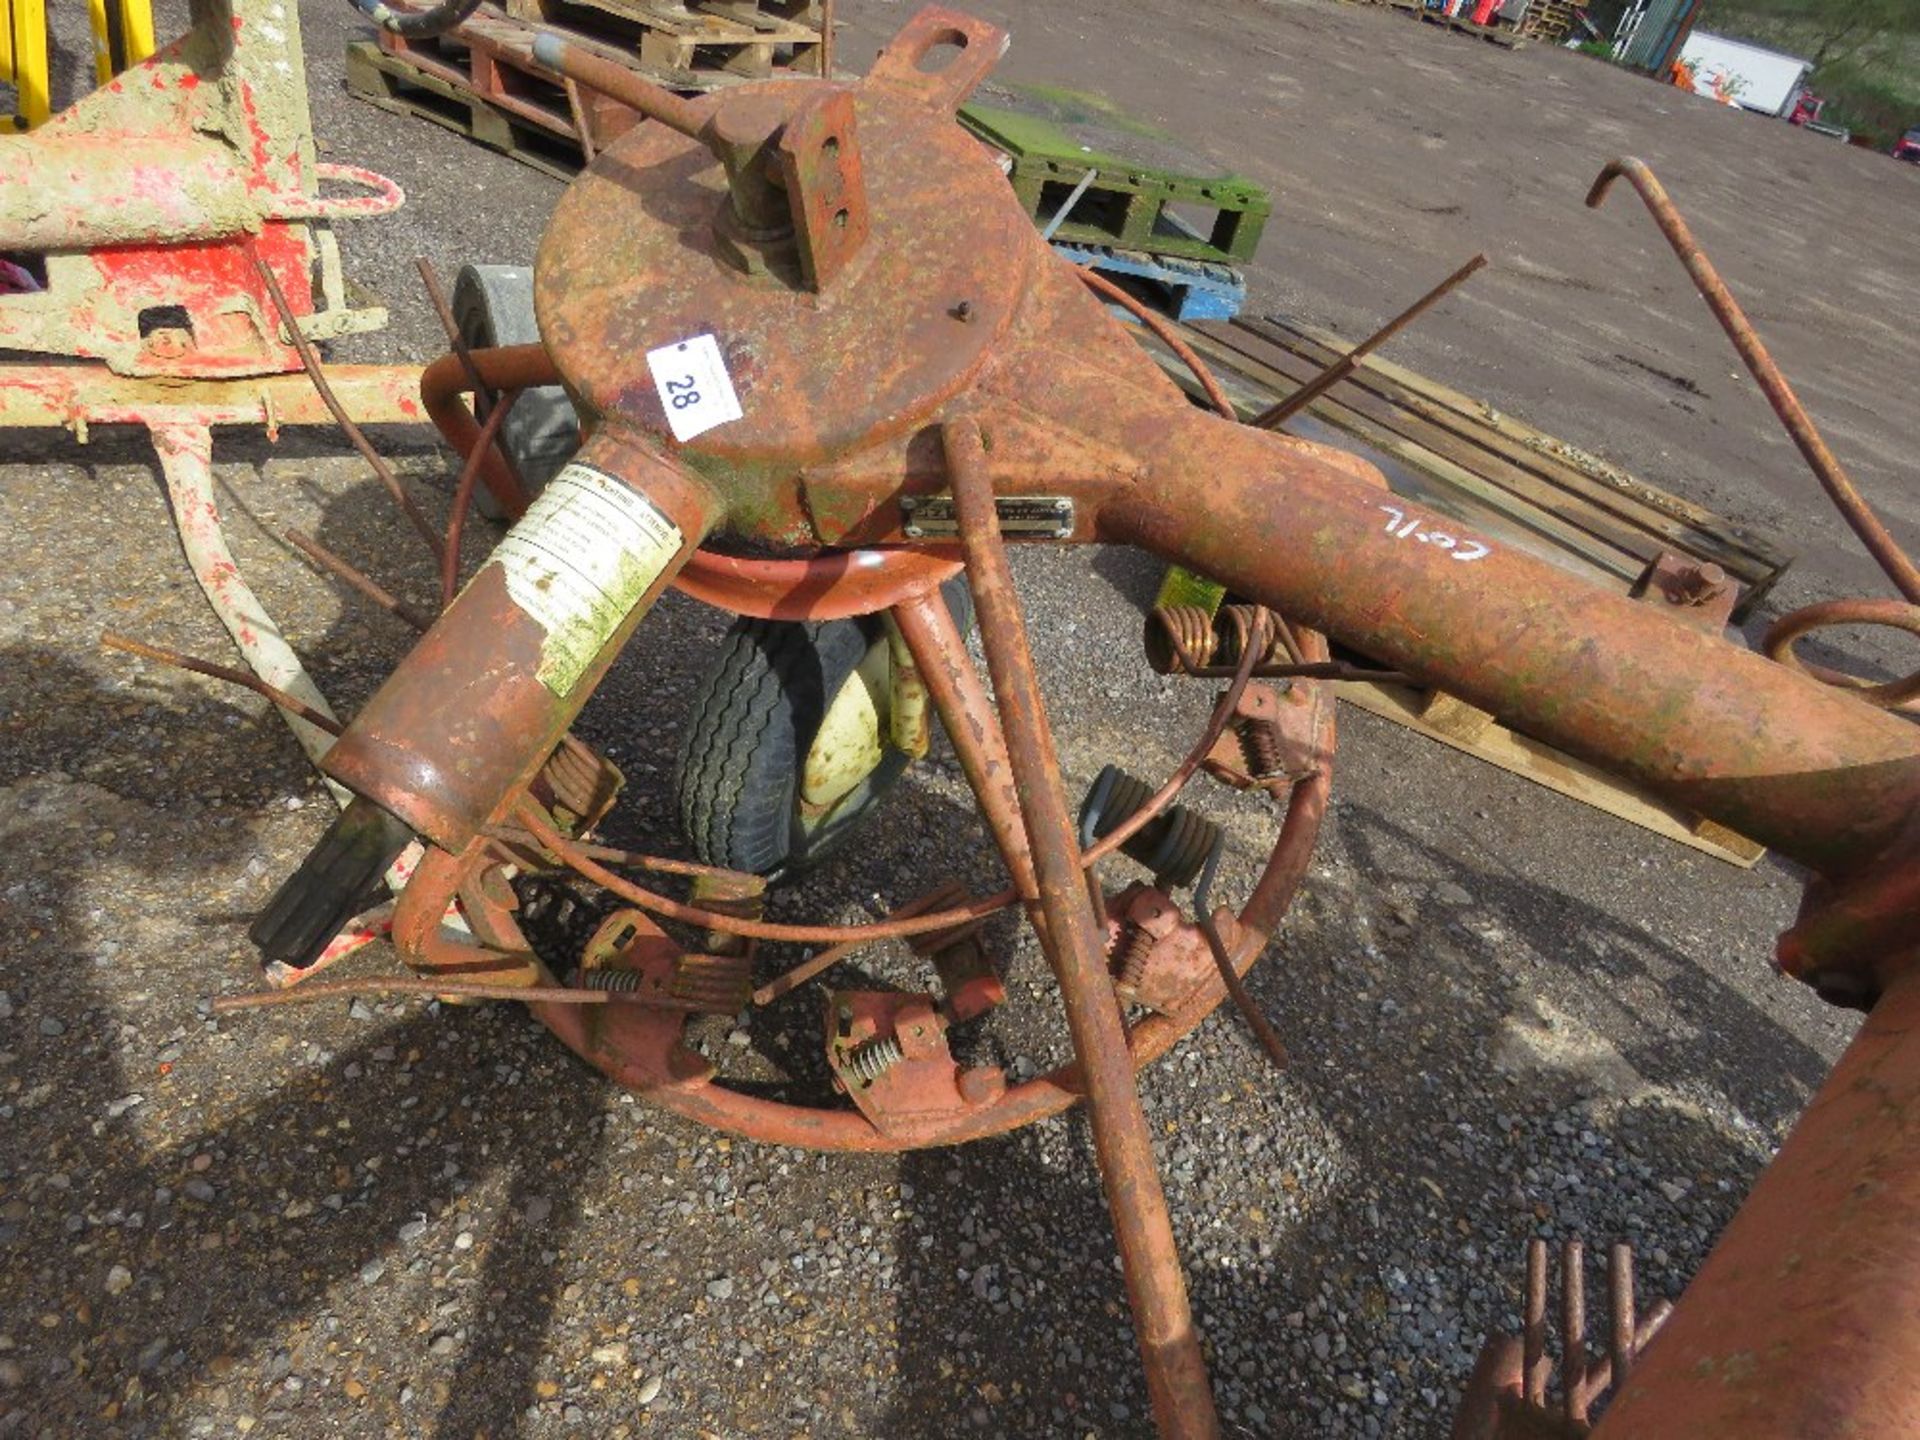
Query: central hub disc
(631,262)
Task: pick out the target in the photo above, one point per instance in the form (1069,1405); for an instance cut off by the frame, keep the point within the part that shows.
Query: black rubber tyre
(754,719)
(493,305)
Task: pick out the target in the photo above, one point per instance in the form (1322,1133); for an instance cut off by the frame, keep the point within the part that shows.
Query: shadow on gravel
(1134,575)
(231,1240)
(1680,1023)
(995,1336)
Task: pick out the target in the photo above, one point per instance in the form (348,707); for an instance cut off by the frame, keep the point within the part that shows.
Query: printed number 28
(681,393)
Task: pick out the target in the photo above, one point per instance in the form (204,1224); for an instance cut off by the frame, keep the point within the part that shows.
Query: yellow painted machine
(122,35)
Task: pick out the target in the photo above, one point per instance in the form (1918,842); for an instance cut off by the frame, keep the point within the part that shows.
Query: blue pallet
(1186,289)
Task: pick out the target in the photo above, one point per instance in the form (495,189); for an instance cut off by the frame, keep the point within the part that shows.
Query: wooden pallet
(1126,204)
(1507,37)
(1476,465)
(1451,721)
(735,37)
(481,80)
(540,139)
(1549,20)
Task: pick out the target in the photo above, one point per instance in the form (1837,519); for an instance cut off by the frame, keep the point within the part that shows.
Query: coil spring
(1260,744)
(618,982)
(1130,953)
(1209,640)
(1173,628)
(1173,845)
(875,1058)
(1234,631)
(556,920)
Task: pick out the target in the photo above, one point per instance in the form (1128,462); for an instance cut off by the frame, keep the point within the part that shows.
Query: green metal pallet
(1129,204)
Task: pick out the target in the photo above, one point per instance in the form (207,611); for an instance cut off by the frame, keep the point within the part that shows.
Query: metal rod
(1243,1000)
(1573,1330)
(485,397)
(826,39)
(1168,336)
(292,704)
(1620,1328)
(1600,1373)
(463,496)
(310,362)
(1760,364)
(655,102)
(1277,415)
(940,653)
(1534,1324)
(550,839)
(666,865)
(582,120)
(483,394)
(1163,1321)
(358,579)
(1066,206)
(800,974)
(417,985)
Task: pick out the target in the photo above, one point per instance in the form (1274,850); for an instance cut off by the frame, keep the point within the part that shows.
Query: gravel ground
(1510,1015)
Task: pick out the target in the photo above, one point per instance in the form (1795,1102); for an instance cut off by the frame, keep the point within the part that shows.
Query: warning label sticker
(578,562)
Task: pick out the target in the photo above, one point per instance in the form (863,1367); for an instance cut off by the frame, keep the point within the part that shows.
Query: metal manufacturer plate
(1050,516)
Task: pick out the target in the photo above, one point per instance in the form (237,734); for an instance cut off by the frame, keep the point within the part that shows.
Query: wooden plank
(1577,499)
(1476,411)
(480,80)
(728,41)
(1581,464)
(1544,765)
(1758,560)
(1615,555)
(393,84)
(1410,474)
(1474,459)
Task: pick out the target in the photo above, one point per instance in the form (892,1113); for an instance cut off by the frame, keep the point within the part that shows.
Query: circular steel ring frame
(611,1036)
(831,585)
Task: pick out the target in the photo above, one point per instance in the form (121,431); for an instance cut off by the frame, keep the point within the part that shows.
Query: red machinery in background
(170,264)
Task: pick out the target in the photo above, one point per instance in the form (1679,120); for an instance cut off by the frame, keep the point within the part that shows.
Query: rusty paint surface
(1803,1320)
(451,739)
(72,396)
(1163,1321)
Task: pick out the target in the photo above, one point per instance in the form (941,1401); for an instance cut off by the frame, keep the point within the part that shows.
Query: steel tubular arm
(1804,769)
(507,367)
(1805,1318)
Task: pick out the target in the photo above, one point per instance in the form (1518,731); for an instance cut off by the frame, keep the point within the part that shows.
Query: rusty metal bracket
(916,61)
(888,1052)
(1700,593)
